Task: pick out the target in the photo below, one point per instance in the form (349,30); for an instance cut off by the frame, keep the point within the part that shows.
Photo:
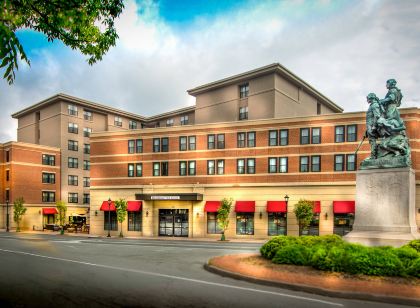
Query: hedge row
(331,253)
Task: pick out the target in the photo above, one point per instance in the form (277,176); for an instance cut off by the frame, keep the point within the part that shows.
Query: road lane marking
(173,277)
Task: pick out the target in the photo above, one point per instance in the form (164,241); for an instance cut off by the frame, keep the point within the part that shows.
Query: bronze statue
(385,130)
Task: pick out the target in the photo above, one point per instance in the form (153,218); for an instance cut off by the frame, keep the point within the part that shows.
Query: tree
(223,215)
(121,208)
(84,25)
(18,211)
(61,216)
(304,213)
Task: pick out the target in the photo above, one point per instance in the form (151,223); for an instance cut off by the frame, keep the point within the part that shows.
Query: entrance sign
(165,197)
(170,196)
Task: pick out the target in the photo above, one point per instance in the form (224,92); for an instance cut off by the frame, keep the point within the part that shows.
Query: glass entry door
(173,222)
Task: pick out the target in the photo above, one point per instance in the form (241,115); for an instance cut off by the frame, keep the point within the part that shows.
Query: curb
(312,289)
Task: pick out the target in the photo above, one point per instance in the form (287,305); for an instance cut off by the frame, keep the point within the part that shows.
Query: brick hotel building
(255,137)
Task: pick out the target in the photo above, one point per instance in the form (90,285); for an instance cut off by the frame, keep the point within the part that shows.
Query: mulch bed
(256,267)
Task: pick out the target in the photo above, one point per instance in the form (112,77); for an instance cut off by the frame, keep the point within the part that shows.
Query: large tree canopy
(86,25)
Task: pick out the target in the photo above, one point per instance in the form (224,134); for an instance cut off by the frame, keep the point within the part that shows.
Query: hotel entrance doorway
(173,222)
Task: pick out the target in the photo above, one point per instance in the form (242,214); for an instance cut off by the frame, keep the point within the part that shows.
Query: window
(220,141)
(87,115)
(7,156)
(210,142)
(304,136)
(73,197)
(272,165)
(351,162)
(7,194)
(339,133)
(316,163)
(72,110)
(73,162)
(318,108)
(170,122)
(210,167)
(272,138)
(47,178)
(241,140)
(132,124)
(86,165)
(351,133)
(73,180)
(86,148)
(73,128)
(191,143)
(86,198)
(245,223)
(182,168)
(316,135)
(48,196)
(156,145)
(165,144)
(277,223)
(164,168)
(139,146)
(243,90)
(339,162)
(134,221)
(110,224)
(87,131)
(131,144)
(283,164)
(184,120)
(139,169)
(86,182)
(304,164)
(73,145)
(212,225)
(250,165)
(284,137)
(130,170)
(243,113)
(251,139)
(156,169)
(48,159)
(117,121)
(220,166)
(240,166)
(8,175)
(183,143)
(191,167)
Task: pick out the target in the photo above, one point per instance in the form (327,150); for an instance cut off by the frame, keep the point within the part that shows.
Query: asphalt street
(61,271)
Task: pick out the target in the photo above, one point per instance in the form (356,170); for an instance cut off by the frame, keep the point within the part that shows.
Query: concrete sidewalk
(162,238)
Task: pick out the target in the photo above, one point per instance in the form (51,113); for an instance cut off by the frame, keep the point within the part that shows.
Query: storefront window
(134,221)
(313,227)
(245,223)
(114,226)
(212,225)
(343,223)
(277,224)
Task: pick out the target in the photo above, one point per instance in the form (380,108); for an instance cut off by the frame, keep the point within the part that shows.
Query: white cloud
(345,52)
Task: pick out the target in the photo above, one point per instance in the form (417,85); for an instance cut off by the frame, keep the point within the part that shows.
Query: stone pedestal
(385,207)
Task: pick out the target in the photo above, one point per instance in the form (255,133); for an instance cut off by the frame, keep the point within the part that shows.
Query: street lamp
(109,217)
(7,215)
(286,198)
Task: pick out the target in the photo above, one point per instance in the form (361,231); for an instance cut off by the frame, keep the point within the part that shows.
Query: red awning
(276,206)
(134,206)
(245,206)
(105,207)
(317,207)
(49,210)
(344,207)
(212,206)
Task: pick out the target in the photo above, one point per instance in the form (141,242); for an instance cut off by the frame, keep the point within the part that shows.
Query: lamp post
(109,217)
(7,215)
(286,198)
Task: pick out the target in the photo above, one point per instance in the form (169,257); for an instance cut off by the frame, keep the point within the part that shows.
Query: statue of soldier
(372,116)
(392,100)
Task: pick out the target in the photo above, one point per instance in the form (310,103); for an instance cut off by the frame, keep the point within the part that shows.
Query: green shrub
(328,258)
(269,249)
(414,244)
(292,254)
(406,255)
(414,269)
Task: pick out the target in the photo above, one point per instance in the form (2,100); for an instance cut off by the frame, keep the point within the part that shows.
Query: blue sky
(345,49)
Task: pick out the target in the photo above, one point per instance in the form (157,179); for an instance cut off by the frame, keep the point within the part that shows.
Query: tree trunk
(223,238)
(121,234)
